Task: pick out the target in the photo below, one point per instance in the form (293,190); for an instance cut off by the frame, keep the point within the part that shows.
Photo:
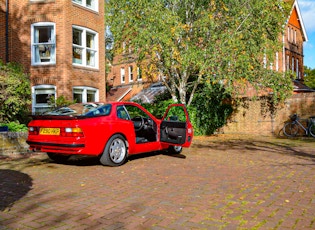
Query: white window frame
(40,1)
(287,63)
(130,73)
(84,90)
(124,45)
(84,49)
(48,48)
(139,75)
(277,61)
(84,3)
(265,60)
(292,65)
(122,75)
(289,34)
(44,88)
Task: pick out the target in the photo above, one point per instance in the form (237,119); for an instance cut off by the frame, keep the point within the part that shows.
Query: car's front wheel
(115,152)
(59,158)
(175,149)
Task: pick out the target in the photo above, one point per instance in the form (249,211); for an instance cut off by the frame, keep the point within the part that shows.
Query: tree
(189,42)
(15,94)
(309,77)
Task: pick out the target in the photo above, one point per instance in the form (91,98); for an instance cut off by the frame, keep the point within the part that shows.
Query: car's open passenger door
(176,127)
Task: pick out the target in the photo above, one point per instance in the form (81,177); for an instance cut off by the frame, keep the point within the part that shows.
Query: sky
(307,10)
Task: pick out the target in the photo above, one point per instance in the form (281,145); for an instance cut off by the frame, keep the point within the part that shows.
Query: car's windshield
(84,109)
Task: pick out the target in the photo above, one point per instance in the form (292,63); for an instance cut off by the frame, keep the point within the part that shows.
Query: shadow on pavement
(13,186)
(301,148)
(92,160)
(151,154)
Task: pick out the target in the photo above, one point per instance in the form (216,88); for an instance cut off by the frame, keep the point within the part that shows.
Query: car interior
(145,127)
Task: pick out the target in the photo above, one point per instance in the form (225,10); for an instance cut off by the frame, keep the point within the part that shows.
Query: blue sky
(307,9)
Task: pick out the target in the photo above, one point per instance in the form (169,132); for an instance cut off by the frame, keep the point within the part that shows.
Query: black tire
(290,129)
(115,152)
(59,158)
(312,129)
(175,149)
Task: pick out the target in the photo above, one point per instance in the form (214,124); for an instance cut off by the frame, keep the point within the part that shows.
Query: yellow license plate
(49,131)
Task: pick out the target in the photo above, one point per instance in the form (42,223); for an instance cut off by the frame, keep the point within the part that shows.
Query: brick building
(293,53)
(125,77)
(61,45)
(256,117)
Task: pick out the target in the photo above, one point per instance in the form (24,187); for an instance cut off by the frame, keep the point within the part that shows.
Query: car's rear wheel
(59,158)
(115,152)
(175,149)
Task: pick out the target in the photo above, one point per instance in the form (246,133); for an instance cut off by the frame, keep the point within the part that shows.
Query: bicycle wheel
(311,129)
(290,129)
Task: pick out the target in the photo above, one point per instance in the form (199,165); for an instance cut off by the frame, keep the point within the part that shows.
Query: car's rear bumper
(73,148)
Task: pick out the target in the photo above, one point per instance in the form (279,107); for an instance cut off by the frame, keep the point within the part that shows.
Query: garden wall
(12,143)
(254,116)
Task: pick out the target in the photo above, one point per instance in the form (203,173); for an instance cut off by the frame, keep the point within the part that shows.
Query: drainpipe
(7,31)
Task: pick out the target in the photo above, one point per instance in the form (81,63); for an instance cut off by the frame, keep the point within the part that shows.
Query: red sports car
(112,131)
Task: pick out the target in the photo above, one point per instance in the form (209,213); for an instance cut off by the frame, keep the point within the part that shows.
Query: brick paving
(219,183)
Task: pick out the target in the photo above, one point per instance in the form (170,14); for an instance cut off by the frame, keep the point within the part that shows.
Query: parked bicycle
(292,128)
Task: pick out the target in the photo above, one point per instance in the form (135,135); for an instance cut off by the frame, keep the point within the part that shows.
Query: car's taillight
(33,130)
(71,132)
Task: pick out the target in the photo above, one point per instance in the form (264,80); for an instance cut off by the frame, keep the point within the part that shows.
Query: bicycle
(292,127)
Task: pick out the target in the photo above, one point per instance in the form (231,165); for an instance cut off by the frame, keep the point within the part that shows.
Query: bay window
(43,43)
(91,4)
(84,47)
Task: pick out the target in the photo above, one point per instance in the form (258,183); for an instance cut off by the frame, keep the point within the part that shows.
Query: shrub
(15,126)
(208,112)
(15,93)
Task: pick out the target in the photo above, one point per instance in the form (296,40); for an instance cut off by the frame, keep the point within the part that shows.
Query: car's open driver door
(176,127)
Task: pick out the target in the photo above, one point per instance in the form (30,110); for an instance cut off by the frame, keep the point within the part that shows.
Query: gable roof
(296,17)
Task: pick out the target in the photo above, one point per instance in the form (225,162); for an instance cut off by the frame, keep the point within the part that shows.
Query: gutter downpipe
(7,31)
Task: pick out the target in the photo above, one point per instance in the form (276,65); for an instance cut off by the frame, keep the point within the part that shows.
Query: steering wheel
(138,122)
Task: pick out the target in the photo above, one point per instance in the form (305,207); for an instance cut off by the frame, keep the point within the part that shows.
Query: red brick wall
(122,61)
(294,49)
(252,118)
(2,30)
(64,14)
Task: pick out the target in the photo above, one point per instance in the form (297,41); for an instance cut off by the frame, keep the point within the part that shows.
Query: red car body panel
(93,132)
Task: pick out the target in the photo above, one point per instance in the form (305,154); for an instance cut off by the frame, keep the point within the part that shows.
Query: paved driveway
(219,183)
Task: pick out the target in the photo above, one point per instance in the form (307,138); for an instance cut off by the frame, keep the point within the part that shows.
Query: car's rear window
(87,109)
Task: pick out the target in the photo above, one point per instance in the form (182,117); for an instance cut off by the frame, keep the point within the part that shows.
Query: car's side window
(122,113)
(105,110)
(134,111)
(176,113)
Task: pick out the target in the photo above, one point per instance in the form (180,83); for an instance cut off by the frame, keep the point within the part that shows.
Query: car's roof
(86,109)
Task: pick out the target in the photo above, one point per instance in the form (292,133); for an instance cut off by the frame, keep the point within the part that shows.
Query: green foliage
(208,112)
(15,126)
(176,114)
(191,42)
(15,93)
(59,102)
(210,109)
(158,108)
(309,78)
